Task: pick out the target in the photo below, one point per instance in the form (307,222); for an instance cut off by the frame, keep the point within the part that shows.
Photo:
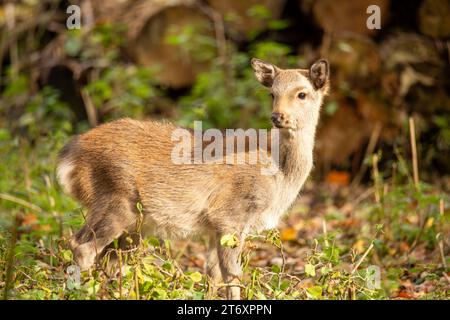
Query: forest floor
(407,270)
(387,239)
(335,243)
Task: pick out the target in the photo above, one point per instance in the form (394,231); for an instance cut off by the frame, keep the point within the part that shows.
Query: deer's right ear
(319,74)
(264,71)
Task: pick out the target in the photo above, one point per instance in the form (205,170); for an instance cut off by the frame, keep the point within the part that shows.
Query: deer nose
(277,117)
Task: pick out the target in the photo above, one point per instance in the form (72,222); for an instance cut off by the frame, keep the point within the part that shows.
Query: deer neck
(296,153)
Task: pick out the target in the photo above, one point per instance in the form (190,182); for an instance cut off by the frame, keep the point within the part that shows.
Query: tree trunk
(175,38)
(246,18)
(337,16)
(434,18)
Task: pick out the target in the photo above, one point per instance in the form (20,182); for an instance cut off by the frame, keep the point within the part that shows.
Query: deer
(114,166)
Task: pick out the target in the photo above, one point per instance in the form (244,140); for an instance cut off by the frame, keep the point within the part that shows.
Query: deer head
(297,93)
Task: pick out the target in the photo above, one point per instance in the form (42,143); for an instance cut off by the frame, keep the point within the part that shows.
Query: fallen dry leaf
(289,234)
(29,220)
(405,295)
(360,246)
(340,178)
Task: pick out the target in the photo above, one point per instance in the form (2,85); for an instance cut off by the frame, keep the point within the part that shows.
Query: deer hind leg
(103,225)
(230,265)
(213,268)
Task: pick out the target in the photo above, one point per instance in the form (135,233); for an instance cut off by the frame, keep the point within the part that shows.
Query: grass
(331,245)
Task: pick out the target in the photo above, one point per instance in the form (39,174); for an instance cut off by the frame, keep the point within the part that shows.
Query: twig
(419,235)
(136,281)
(22,202)
(90,108)
(88,14)
(412,136)
(119,255)
(220,35)
(10,19)
(326,44)
(28,277)
(363,196)
(10,258)
(441,242)
(325,233)
(283,274)
(8,39)
(369,150)
(93,233)
(376,178)
(221,42)
(221,285)
(283,263)
(362,258)
(448,50)
(176,265)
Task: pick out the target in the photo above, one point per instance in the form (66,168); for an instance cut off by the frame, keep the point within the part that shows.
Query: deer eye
(302,95)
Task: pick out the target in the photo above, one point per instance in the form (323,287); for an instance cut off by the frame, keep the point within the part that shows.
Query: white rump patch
(63,172)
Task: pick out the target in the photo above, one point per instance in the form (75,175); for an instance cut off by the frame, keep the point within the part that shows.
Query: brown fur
(112,167)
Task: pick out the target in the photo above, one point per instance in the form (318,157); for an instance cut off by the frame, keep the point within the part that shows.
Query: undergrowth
(395,220)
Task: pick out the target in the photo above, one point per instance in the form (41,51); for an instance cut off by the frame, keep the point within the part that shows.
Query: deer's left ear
(264,71)
(319,73)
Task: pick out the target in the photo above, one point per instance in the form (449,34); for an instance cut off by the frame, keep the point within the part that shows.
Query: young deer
(112,167)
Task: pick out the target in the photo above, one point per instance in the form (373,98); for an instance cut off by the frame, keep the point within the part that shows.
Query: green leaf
(259,11)
(229,240)
(310,270)
(331,108)
(73,45)
(331,253)
(285,285)
(140,207)
(276,268)
(67,255)
(92,287)
(198,295)
(153,241)
(261,296)
(168,266)
(273,237)
(379,227)
(324,270)
(278,24)
(196,276)
(314,292)
(159,293)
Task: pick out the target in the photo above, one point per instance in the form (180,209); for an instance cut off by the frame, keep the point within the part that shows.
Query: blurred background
(187,60)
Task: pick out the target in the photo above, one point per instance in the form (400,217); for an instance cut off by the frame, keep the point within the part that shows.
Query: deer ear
(319,73)
(264,71)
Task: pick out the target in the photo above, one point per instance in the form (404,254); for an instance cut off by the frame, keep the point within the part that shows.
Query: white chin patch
(63,172)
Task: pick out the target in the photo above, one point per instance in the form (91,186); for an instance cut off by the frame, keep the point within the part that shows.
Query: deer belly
(172,220)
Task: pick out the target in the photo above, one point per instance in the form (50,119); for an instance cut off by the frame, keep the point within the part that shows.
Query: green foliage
(99,47)
(227,96)
(192,41)
(46,114)
(41,257)
(123,90)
